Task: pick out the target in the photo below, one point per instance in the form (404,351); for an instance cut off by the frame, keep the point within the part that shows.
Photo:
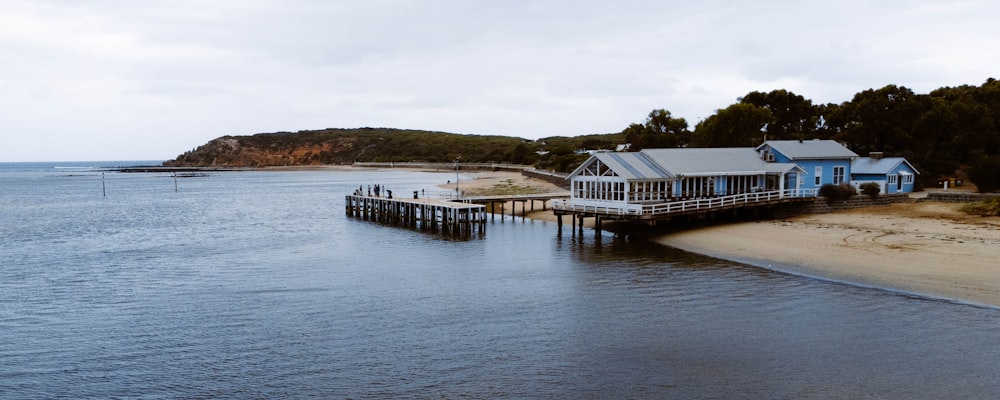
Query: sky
(148,80)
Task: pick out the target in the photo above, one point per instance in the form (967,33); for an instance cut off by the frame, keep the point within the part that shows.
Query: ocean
(256,284)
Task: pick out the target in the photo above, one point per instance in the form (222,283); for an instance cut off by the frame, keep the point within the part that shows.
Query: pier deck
(435,215)
(500,201)
(664,211)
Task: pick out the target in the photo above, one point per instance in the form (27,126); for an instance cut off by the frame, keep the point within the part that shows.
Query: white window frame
(819,175)
(907,179)
(838,174)
(892,179)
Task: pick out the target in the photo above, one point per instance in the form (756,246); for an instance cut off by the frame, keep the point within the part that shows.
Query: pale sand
(483,183)
(929,249)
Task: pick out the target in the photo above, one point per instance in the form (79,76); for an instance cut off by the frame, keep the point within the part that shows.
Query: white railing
(683,205)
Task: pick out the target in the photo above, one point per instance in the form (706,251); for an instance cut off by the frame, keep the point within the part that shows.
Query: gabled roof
(712,161)
(634,166)
(882,166)
(631,166)
(809,149)
(658,164)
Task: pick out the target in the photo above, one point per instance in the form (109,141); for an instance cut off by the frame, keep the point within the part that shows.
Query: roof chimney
(875,155)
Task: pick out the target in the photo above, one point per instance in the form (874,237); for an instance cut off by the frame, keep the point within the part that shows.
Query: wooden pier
(664,211)
(497,204)
(446,217)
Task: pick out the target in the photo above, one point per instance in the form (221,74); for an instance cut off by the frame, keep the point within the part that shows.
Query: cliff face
(240,152)
(345,146)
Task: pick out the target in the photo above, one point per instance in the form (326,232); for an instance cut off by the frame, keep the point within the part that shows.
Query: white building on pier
(634,183)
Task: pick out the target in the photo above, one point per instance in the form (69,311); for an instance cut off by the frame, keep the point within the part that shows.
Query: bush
(834,193)
(986,208)
(871,189)
(986,174)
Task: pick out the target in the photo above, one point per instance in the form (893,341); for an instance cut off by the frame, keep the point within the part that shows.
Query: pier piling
(455,219)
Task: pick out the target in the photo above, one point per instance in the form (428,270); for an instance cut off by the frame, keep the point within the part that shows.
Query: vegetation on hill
(938,132)
(345,146)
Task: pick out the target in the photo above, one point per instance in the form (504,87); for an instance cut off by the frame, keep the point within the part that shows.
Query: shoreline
(924,249)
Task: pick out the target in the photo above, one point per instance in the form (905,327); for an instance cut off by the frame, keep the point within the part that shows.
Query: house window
(838,175)
(819,175)
(907,179)
(892,179)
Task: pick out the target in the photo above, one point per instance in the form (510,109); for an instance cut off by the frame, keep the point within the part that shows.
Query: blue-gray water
(257,285)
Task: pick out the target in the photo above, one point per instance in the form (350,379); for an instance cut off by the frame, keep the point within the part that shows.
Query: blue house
(824,161)
(892,174)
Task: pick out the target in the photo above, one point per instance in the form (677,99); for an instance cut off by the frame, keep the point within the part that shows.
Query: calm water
(256,285)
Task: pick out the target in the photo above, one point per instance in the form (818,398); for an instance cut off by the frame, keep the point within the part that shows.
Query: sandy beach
(923,248)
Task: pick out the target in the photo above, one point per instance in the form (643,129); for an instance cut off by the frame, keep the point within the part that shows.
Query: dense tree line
(939,132)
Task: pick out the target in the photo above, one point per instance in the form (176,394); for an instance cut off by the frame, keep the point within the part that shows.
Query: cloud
(152,79)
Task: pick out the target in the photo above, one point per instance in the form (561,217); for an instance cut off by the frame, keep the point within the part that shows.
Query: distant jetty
(159,169)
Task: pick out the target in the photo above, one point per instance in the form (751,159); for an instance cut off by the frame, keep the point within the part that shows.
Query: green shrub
(834,193)
(847,190)
(987,208)
(871,189)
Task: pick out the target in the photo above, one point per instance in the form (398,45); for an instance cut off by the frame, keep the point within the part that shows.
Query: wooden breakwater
(434,215)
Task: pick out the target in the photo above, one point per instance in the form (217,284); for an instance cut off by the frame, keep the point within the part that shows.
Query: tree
(635,134)
(792,116)
(663,130)
(520,154)
(931,147)
(738,125)
(986,174)
(878,120)
(660,130)
(987,137)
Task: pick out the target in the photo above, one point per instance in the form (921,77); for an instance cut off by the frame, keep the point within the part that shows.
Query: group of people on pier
(378,191)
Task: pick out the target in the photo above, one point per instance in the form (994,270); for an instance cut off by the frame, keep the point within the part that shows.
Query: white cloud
(149,80)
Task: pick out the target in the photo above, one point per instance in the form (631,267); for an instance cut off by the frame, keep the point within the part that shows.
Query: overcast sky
(148,80)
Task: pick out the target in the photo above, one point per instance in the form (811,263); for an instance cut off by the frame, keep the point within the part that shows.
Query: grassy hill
(345,146)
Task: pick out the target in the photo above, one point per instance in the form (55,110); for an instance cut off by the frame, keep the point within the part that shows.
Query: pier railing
(685,206)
